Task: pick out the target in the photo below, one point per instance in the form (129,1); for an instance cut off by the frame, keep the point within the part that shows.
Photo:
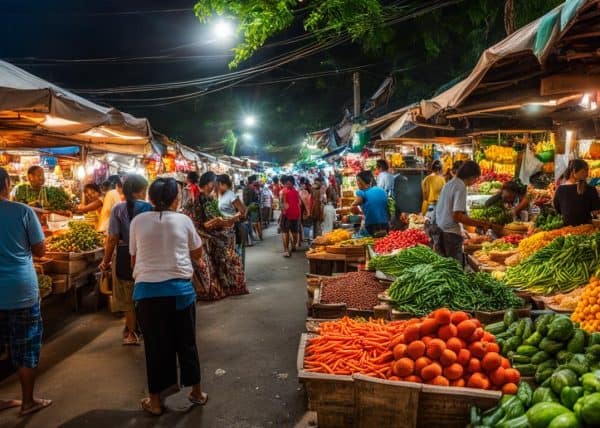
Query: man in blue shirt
(21,237)
(374,204)
(385,180)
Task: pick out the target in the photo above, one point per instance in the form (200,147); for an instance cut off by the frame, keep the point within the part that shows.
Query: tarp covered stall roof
(511,72)
(36,113)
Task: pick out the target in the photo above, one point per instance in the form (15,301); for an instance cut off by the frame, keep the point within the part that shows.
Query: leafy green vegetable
(496,214)
(395,264)
(421,288)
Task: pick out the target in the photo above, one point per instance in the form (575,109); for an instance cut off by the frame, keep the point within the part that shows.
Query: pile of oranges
(587,312)
(451,349)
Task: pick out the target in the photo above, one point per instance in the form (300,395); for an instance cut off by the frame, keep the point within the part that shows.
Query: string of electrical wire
(275,62)
(294,78)
(221,82)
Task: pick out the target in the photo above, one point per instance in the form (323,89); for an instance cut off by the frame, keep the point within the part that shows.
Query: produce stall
(336,251)
(411,157)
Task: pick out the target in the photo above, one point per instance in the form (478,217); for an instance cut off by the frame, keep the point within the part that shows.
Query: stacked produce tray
(72,270)
(363,401)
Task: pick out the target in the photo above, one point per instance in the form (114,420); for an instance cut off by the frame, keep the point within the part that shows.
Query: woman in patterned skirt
(220,273)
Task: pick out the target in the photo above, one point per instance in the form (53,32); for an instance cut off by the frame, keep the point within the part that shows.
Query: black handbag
(123,269)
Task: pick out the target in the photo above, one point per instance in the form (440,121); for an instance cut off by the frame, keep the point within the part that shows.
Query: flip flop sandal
(201,402)
(145,403)
(287,255)
(135,341)
(9,404)
(37,406)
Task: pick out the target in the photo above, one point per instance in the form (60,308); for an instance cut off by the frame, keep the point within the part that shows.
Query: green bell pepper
(525,393)
(594,339)
(590,382)
(561,379)
(542,414)
(590,409)
(566,420)
(560,329)
(543,395)
(520,422)
(577,342)
(569,395)
(578,364)
(563,357)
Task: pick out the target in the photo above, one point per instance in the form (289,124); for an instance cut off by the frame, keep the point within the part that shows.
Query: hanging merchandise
(561,161)
(360,137)
(530,165)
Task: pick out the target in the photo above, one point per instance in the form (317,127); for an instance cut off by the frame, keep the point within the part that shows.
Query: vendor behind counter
(514,197)
(576,200)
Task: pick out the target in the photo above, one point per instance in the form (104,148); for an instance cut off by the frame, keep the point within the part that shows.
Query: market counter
(324,263)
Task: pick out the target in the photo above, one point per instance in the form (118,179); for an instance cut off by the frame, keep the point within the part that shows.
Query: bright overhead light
(247,136)
(223,29)
(80,172)
(585,101)
(249,121)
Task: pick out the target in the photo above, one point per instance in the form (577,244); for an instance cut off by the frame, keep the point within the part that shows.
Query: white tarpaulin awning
(536,40)
(42,113)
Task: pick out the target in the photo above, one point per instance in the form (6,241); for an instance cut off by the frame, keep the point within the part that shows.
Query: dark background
(46,38)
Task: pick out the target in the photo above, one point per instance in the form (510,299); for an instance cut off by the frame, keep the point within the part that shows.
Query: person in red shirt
(290,215)
(276,187)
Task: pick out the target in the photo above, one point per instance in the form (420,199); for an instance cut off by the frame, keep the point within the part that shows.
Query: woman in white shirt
(162,244)
(231,206)
(112,198)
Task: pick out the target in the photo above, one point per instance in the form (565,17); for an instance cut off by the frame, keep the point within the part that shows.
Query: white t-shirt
(328,218)
(111,199)
(453,198)
(226,201)
(162,243)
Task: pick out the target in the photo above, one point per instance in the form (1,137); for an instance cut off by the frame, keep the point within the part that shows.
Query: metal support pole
(356,84)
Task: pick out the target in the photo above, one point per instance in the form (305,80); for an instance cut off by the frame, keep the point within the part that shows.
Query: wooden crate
(326,310)
(69,267)
(93,255)
(384,403)
(60,283)
(331,396)
(351,251)
(448,407)
(336,310)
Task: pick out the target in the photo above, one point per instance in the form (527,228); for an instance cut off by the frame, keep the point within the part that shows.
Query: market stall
(517,343)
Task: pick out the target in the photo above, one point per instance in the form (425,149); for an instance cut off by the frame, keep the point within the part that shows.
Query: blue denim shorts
(21,330)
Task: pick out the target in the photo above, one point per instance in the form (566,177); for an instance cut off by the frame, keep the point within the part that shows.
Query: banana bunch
(500,154)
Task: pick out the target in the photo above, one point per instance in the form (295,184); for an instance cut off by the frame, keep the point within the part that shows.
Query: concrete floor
(247,346)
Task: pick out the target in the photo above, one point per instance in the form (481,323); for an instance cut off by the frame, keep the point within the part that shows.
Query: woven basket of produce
(516,227)
(501,256)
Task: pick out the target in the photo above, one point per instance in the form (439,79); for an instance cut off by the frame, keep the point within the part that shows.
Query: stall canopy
(543,69)
(35,113)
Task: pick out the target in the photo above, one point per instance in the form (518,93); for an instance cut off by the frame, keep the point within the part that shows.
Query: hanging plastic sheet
(529,166)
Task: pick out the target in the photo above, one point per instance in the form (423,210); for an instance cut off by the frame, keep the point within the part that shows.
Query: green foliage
(257,20)
(230,142)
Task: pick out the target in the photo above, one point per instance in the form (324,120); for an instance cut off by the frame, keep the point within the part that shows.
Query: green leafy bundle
(395,264)
(423,288)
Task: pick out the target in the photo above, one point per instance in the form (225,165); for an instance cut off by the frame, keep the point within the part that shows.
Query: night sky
(37,33)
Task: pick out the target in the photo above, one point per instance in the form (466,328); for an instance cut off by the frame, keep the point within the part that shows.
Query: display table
(323,263)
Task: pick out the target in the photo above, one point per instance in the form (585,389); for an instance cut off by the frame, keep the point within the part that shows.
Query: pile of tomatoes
(512,239)
(399,239)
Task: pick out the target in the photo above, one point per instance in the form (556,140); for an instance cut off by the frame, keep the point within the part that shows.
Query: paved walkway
(247,345)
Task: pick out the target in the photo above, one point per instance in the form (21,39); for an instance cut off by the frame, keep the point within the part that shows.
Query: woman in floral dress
(221,273)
